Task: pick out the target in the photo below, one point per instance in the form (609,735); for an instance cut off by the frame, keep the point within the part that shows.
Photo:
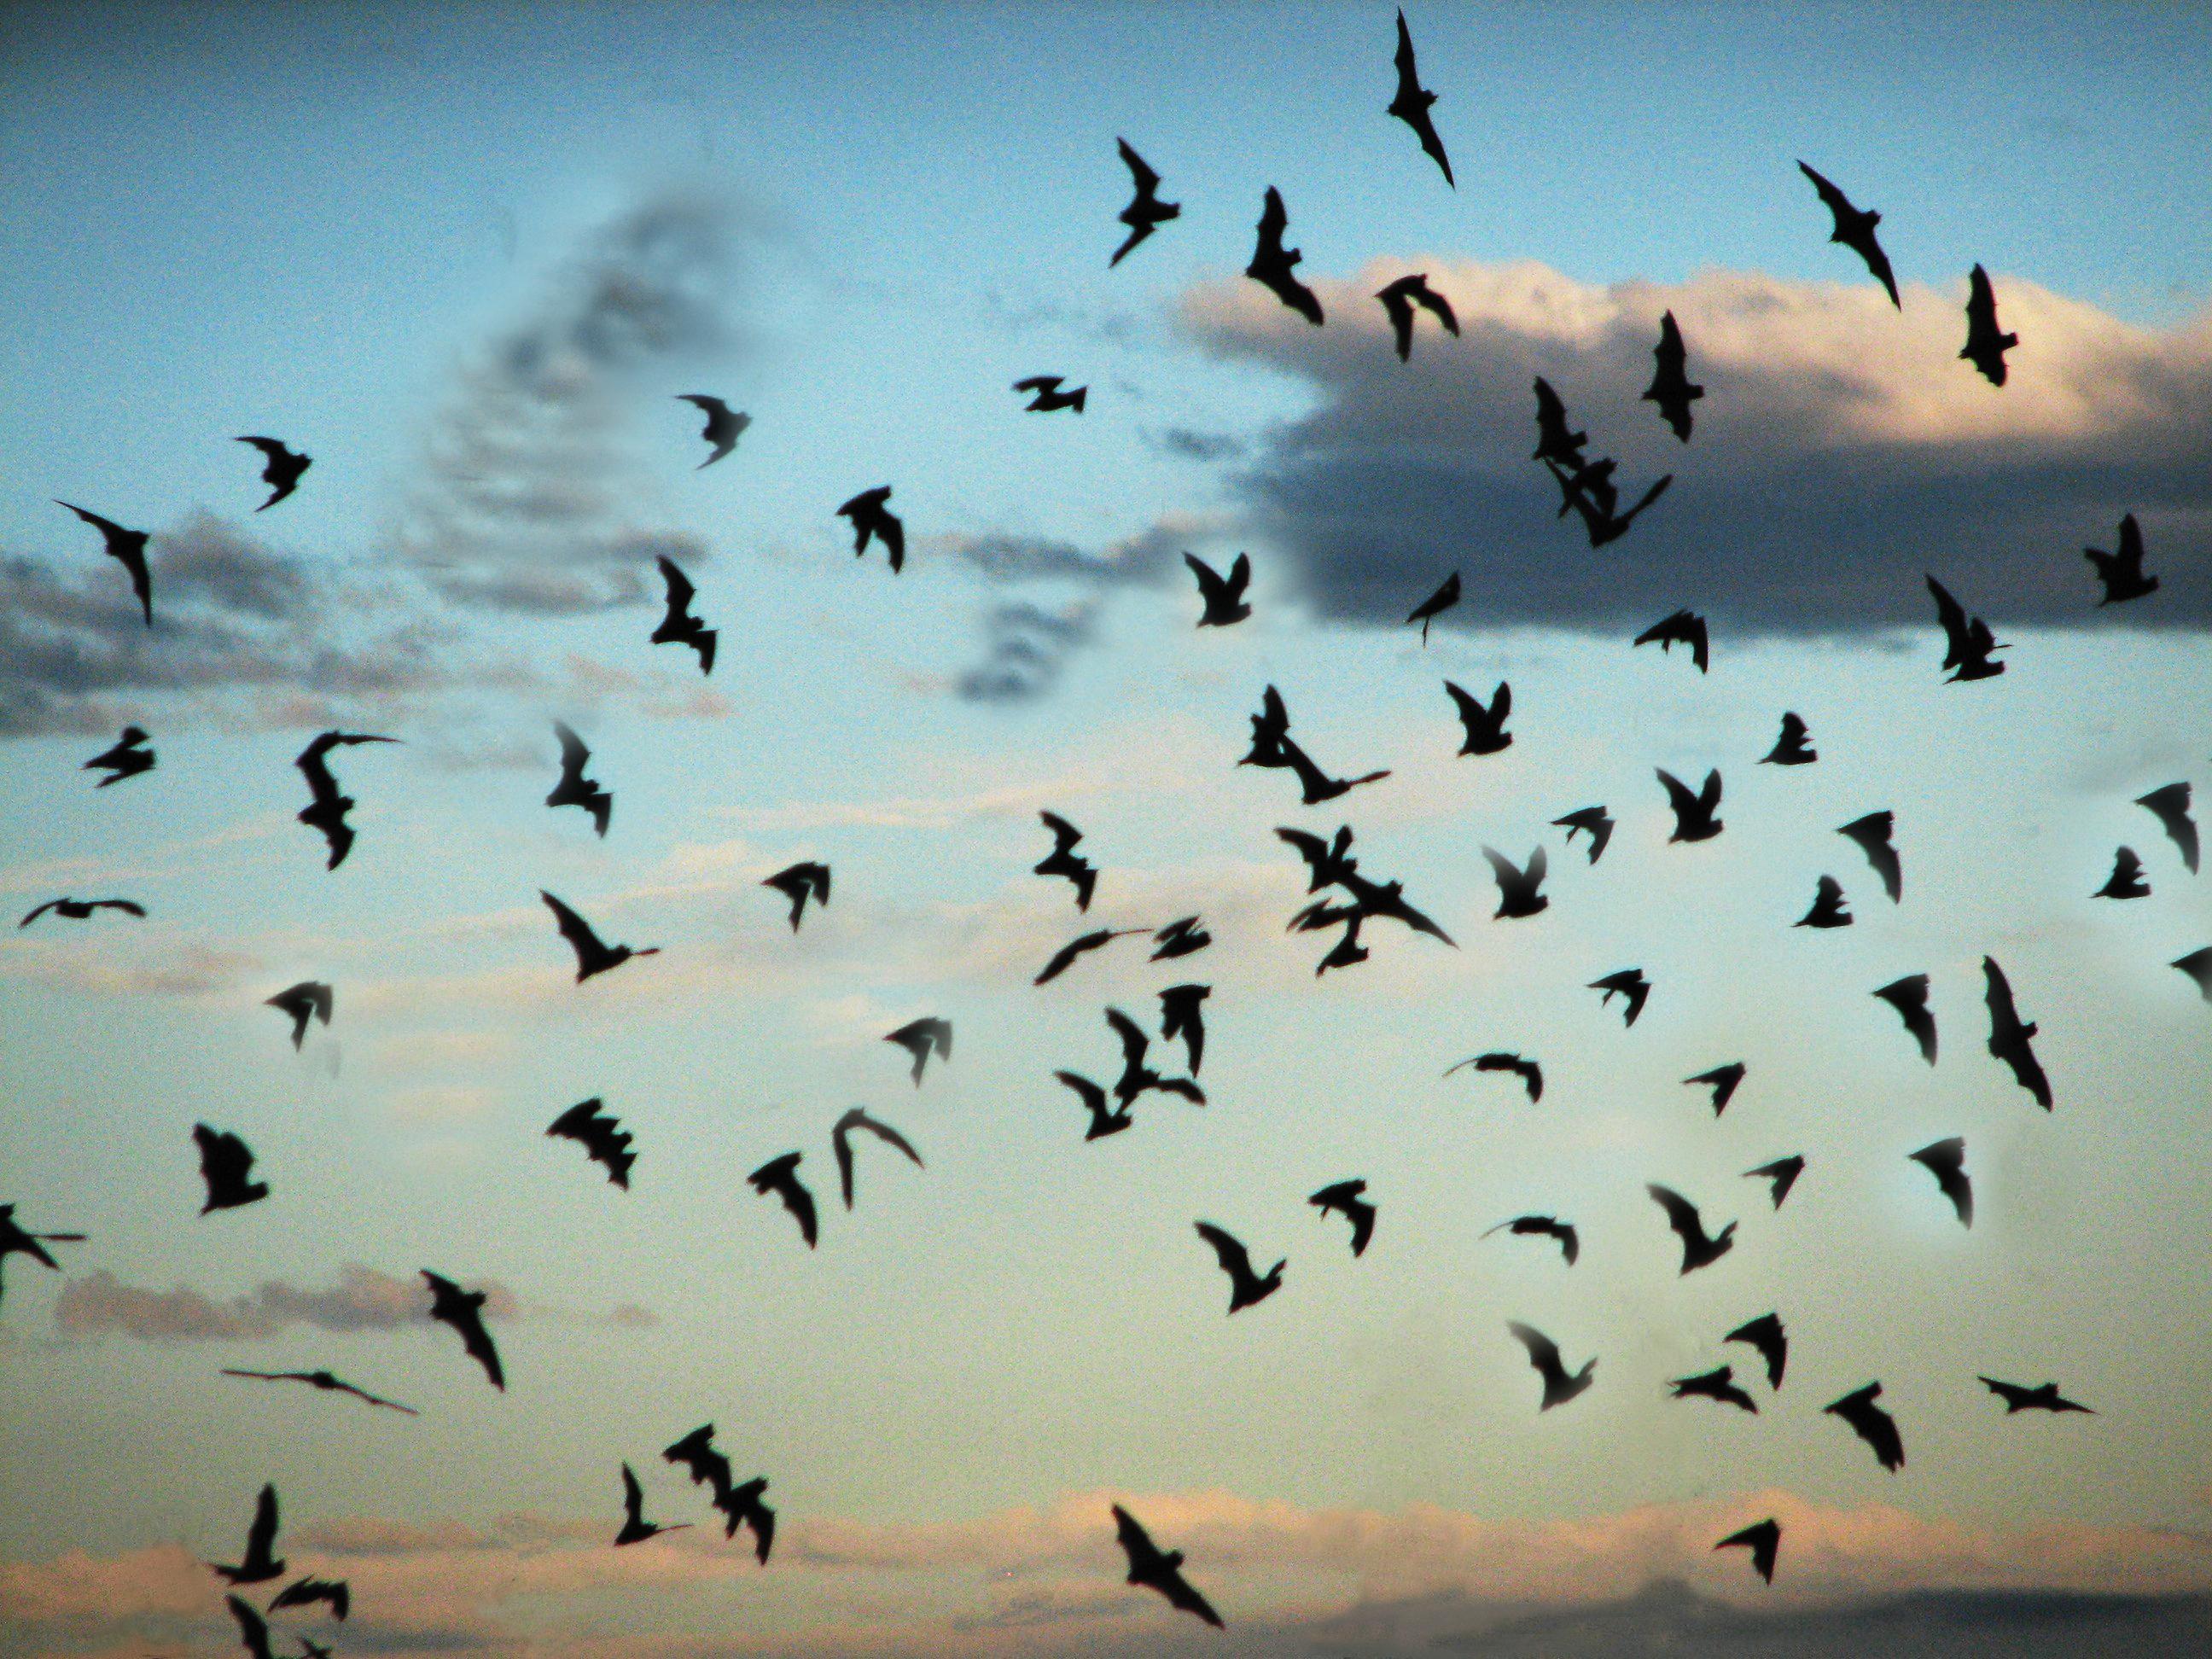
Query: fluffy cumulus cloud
(1021,1582)
(1841,450)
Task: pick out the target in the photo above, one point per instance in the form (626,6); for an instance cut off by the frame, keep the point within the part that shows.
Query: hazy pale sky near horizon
(465,257)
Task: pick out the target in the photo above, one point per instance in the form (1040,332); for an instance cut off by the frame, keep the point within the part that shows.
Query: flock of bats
(1344,898)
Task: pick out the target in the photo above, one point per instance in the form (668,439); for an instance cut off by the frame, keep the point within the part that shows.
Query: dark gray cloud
(529,494)
(1024,648)
(1188,445)
(1841,451)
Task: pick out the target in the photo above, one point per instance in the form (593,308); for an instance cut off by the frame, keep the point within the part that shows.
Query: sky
(467,259)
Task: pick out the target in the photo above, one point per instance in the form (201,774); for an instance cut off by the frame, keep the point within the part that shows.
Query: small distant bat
(602,1137)
(1273,265)
(724,427)
(1985,346)
(281,468)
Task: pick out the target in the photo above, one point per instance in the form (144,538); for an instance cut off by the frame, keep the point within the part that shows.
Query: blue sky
(862,226)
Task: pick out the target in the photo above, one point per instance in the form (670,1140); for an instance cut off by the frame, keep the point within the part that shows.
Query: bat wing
(1134,1043)
(1141,175)
(680,590)
(252,1628)
(1681,1214)
(1236,1260)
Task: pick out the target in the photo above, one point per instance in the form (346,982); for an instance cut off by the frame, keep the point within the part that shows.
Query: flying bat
(464,1311)
(1181,1015)
(780,1177)
(281,468)
(1630,986)
(325,1383)
(74,909)
(1968,644)
(1445,597)
(1530,1073)
(1671,387)
(2010,1036)
(1696,817)
(1792,747)
(1593,822)
(309,999)
(591,955)
(1136,1076)
(1765,1335)
(1345,1198)
(1873,835)
(1909,996)
(1081,944)
(1544,1226)
(1399,300)
(14,1241)
(1719,1384)
(1316,786)
(126,757)
(252,1628)
(678,624)
(1245,1286)
(260,1563)
(226,1167)
(1065,860)
(1682,627)
(871,519)
(128,549)
(2126,881)
(2169,805)
(799,883)
(1559,1387)
(1046,397)
(1484,724)
(1182,938)
(2197,965)
(635,1529)
(1723,1080)
(1411,102)
(1985,346)
(1828,908)
(1327,862)
(2042,1398)
(600,1135)
(1699,1249)
(1947,1161)
(306,1592)
(1155,1569)
(1222,596)
(1588,492)
(1104,1119)
(1780,1175)
(328,805)
(922,1038)
(1854,229)
(1145,212)
(1273,265)
(2121,574)
(1556,444)
(724,427)
(1517,885)
(574,788)
(1871,1424)
(841,1142)
(1762,1538)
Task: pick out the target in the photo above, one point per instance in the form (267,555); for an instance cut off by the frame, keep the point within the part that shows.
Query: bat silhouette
(574,788)
(1145,212)
(309,999)
(1792,747)
(1136,1076)
(1947,1161)
(1544,1226)
(780,1177)
(1985,346)
(328,805)
(1828,908)
(1316,786)
(2044,1397)
(1483,724)
(1872,834)
(2121,574)
(1780,1175)
(2126,880)
(1517,885)
(1064,861)
(1445,597)
(1411,102)
(128,549)
(1555,443)
(1717,1384)
(1530,1073)
(1766,1335)
(1345,1198)
(1909,996)
(1046,397)
(1682,627)
(1723,1080)
(1245,1286)
(252,1628)
(2169,805)
(2197,965)
(841,1143)
(678,625)
(464,1311)
(260,1562)
(14,1241)
(126,758)
(798,883)
(1671,387)
(724,427)
(1630,986)
(1762,1538)
(226,1167)
(1181,1015)
(1222,596)
(1154,1568)
(281,468)
(1593,822)
(1104,1120)
(2010,1036)
(1968,645)
(1699,1249)
(1589,494)
(591,955)
(1272,264)
(73,909)
(1871,1424)
(600,1135)
(327,1383)
(306,1592)
(1270,729)
(1182,938)
(1400,298)
(923,1037)
(1854,229)
(740,1505)
(1327,862)
(871,519)
(635,1529)
(1696,817)
(1081,944)
(1544,1354)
